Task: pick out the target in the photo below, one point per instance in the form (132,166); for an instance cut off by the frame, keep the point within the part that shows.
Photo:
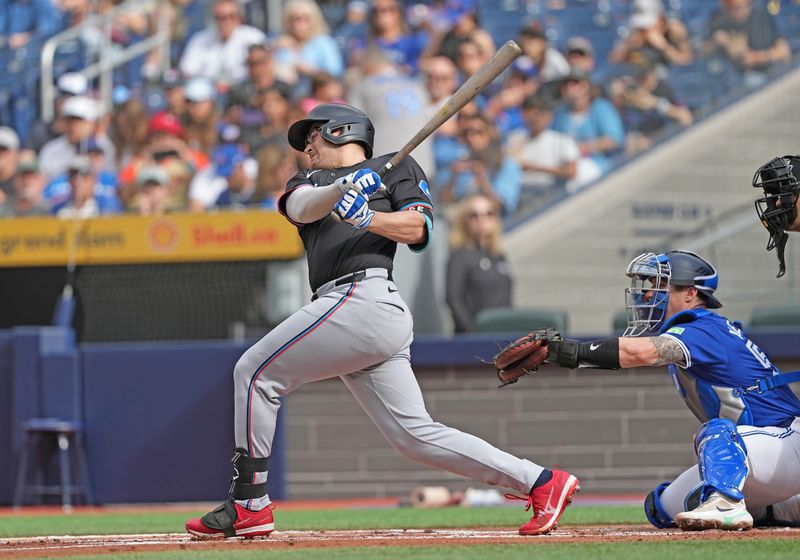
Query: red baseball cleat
(548,501)
(232,520)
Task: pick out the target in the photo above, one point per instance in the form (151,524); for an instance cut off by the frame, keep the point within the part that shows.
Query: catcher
(777,210)
(748,446)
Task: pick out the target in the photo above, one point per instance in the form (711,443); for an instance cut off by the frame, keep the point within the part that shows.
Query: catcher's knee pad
(655,511)
(722,460)
(245,467)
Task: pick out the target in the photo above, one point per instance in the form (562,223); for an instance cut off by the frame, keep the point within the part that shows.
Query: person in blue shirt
(748,446)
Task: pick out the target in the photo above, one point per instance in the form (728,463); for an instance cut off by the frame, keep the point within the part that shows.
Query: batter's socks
(257,504)
(544,478)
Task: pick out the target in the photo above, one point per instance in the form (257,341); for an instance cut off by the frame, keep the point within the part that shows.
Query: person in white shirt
(547,158)
(219,52)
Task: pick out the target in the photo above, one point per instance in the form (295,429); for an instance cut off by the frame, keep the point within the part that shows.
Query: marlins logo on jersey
(423,186)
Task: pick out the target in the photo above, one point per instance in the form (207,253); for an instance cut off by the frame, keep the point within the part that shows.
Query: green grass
(773,549)
(390,518)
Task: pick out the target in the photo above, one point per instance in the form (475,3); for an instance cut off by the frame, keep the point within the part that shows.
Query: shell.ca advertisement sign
(124,239)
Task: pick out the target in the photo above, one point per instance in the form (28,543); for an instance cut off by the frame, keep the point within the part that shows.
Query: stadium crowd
(211,131)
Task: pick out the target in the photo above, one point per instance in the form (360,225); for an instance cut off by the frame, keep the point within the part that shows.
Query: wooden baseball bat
(485,75)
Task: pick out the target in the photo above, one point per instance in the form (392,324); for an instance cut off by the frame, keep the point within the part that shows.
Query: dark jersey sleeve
(409,191)
(296,181)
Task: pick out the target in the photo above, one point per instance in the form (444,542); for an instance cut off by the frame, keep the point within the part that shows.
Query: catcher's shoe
(548,502)
(232,520)
(717,512)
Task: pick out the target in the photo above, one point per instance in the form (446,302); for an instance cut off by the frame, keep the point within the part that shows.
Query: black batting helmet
(354,126)
(777,210)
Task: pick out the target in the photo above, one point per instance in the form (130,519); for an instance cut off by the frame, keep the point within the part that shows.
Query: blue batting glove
(364,181)
(353,209)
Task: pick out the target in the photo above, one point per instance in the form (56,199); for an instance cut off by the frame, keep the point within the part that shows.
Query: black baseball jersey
(335,249)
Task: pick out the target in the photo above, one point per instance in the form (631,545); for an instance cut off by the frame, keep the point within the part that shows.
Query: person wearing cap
(80,114)
(748,36)
(579,52)
(647,106)
(9,157)
(153,195)
(69,84)
(748,439)
(548,60)
(239,172)
(463,24)
(593,121)
(219,52)
(166,148)
(548,158)
(200,119)
(653,36)
(82,202)
(27,198)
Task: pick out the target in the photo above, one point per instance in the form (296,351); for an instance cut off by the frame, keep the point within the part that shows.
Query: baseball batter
(778,209)
(357,328)
(748,446)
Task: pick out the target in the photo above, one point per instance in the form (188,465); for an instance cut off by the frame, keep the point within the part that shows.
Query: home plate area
(105,544)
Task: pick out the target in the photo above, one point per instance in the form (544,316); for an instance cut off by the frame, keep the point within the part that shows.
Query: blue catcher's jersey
(721,361)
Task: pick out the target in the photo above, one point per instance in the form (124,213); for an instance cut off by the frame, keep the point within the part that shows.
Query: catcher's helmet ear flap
(690,269)
(777,210)
(341,124)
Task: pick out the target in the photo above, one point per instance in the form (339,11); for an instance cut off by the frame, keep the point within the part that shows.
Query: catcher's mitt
(524,355)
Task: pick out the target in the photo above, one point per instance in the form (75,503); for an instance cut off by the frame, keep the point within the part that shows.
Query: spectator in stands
(547,158)
(240,177)
(593,122)
(352,32)
(550,64)
(68,85)
(389,31)
(167,149)
(59,190)
(153,195)
(128,130)
(9,158)
(82,202)
(173,85)
(471,57)
(396,103)
(647,106)
(22,21)
(80,114)
(276,106)
(325,88)
(243,105)
(200,119)
(219,52)
(579,52)
(478,274)
(441,81)
(748,37)
(483,168)
(653,36)
(208,184)
(505,107)
(305,47)
(26,197)
(276,165)
(462,17)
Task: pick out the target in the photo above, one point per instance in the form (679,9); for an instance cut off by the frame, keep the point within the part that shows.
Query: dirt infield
(119,544)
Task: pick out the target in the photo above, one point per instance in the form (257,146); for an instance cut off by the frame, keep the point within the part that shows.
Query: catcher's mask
(651,277)
(777,210)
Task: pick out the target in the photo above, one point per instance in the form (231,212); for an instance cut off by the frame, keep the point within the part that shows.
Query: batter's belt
(350,278)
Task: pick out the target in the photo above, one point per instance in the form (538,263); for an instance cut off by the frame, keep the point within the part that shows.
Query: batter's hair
(459,234)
